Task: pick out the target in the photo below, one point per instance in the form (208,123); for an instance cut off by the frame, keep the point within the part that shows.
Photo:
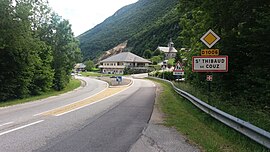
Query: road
(93,118)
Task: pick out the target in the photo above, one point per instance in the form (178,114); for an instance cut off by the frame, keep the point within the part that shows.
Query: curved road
(86,121)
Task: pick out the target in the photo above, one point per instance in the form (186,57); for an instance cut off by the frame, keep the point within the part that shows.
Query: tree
(43,73)
(156,59)
(89,65)
(65,50)
(178,57)
(147,54)
(170,62)
(19,55)
(37,51)
(156,53)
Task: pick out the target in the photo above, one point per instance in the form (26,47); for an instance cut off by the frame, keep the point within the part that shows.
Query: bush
(167,75)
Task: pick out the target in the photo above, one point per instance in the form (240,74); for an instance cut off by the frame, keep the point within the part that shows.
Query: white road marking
(6,124)
(94,102)
(76,108)
(9,131)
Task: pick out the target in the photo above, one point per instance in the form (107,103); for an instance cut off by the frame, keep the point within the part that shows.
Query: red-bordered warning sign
(178,70)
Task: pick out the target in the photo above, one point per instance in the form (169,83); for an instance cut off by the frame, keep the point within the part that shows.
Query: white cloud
(85,14)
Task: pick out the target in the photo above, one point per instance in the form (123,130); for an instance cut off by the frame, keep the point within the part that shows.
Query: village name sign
(210,60)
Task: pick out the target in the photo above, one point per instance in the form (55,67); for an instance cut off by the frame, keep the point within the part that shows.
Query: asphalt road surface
(93,118)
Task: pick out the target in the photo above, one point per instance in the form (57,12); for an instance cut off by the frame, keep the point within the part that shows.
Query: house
(169,52)
(117,63)
(79,67)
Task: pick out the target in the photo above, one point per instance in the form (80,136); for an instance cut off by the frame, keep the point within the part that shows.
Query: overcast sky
(85,14)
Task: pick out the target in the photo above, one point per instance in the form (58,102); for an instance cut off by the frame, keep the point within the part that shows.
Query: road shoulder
(158,138)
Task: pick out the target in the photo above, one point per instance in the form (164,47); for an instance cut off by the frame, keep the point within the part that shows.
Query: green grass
(200,128)
(253,114)
(74,83)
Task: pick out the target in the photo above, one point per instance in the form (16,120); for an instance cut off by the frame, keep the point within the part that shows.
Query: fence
(255,133)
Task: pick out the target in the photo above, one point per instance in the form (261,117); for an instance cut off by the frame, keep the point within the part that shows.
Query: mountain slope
(132,23)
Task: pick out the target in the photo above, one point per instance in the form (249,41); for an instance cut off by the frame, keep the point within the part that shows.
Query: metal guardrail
(255,133)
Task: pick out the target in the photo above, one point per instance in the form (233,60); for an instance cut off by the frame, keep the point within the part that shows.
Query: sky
(85,14)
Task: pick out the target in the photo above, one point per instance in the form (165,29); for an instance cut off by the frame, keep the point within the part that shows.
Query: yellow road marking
(77,105)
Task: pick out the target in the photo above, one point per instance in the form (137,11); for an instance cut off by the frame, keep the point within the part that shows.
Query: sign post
(209,79)
(119,79)
(178,70)
(210,60)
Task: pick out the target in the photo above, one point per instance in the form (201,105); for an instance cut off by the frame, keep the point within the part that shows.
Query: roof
(79,65)
(126,57)
(166,49)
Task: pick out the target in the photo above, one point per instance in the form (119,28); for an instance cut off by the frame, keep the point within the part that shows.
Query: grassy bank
(74,83)
(239,108)
(200,128)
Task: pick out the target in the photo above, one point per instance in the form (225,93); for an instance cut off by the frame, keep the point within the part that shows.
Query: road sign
(179,73)
(210,52)
(209,78)
(210,63)
(119,79)
(210,38)
(178,70)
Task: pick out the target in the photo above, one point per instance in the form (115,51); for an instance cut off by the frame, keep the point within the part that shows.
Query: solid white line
(6,124)
(38,114)
(9,131)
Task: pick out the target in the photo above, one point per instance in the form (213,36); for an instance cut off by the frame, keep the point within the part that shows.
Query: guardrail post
(253,132)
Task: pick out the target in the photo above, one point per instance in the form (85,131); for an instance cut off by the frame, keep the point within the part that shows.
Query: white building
(170,51)
(79,67)
(117,63)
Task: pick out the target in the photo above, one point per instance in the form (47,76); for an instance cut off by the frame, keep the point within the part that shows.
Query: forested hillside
(243,26)
(134,23)
(37,49)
